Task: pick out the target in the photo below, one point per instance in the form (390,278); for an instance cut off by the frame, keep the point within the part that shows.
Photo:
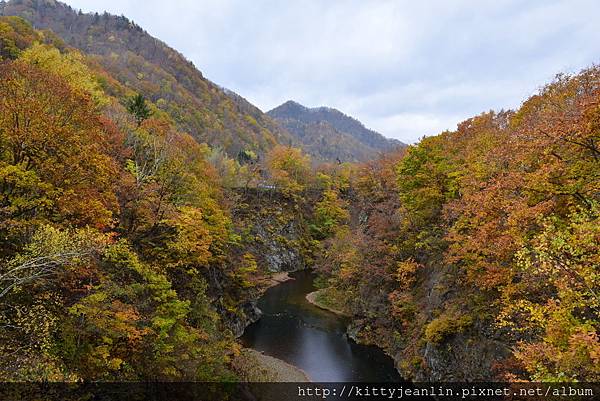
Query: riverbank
(320,300)
(301,334)
(276,279)
(254,366)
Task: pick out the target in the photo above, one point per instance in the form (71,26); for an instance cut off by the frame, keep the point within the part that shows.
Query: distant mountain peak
(290,106)
(321,128)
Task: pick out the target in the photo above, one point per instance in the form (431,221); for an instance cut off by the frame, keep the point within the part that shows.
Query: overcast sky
(404,68)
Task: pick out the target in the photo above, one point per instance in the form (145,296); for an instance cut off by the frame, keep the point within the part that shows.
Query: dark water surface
(312,339)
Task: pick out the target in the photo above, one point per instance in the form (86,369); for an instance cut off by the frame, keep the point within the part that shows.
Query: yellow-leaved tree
(70,66)
(289,168)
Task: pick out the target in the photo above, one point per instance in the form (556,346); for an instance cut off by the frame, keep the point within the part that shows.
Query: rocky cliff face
(441,337)
(238,323)
(465,357)
(276,229)
(273,228)
(467,352)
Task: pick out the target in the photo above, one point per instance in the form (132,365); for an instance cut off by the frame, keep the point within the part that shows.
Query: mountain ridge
(208,111)
(160,73)
(321,128)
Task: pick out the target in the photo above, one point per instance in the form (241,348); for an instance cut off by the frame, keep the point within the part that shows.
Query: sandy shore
(254,366)
(276,279)
(312,298)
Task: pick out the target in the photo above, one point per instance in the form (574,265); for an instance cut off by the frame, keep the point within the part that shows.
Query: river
(313,339)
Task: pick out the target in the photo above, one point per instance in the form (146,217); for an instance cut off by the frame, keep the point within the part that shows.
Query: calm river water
(312,339)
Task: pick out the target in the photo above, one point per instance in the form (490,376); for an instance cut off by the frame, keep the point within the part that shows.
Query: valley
(151,220)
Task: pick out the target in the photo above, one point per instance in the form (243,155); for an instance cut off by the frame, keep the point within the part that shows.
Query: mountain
(329,134)
(163,75)
(208,112)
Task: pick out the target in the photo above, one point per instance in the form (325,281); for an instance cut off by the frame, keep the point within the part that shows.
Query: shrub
(446,326)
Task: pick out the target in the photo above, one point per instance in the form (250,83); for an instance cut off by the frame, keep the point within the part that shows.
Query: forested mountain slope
(474,255)
(161,74)
(328,133)
(208,112)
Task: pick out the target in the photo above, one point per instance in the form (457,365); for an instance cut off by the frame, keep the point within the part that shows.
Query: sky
(404,68)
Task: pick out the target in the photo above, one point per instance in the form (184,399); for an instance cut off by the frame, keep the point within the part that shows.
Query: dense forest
(142,214)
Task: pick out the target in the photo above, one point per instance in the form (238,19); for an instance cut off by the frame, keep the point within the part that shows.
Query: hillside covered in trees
(474,255)
(329,135)
(146,65)
(208,112)
(141,218)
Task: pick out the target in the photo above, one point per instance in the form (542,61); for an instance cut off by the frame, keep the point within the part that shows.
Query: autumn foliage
(494,227)
(111,227)
(121,258)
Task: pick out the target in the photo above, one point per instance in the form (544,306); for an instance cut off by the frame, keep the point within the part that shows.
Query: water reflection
(313,339)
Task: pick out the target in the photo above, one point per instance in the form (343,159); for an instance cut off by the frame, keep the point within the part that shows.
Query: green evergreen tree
(137,106)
